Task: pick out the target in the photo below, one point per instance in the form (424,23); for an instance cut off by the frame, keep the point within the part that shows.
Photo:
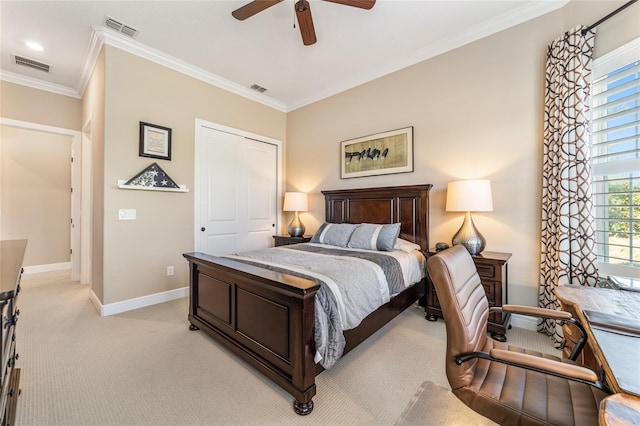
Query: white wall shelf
(122,185)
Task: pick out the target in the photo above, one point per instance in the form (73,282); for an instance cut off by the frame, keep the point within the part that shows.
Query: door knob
(203,229)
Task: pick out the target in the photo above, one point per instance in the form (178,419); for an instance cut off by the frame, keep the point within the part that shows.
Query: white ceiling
(202,39)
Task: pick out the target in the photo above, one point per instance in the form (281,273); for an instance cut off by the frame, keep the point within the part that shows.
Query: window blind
(615,156)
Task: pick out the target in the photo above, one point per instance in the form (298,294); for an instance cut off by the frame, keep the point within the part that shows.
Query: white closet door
(237,192)
(261,193)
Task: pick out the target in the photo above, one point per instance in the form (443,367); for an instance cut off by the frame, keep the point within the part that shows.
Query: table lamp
(469,196)
(295,202)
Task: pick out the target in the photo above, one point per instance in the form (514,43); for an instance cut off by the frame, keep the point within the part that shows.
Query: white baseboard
(138,302)
(520,321)
(47,268)
(523,321)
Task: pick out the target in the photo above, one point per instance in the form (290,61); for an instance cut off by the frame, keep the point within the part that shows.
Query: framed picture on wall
(380,154)
(155,141)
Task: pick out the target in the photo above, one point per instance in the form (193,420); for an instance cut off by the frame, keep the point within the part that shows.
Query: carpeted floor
(145,367)
(433,405)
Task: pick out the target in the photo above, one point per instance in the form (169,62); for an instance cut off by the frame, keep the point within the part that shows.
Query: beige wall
(36,106)
(35,201)
(137,252)
(477,112)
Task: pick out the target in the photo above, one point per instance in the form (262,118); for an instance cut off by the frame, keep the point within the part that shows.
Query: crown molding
(35,83)
(526,12)
(132,46)
(95,46)
(101,35)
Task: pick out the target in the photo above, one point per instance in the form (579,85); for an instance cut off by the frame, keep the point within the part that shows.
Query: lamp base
(296,228)
(469,236)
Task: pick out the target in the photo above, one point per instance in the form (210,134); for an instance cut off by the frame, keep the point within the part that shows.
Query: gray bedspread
(352,285)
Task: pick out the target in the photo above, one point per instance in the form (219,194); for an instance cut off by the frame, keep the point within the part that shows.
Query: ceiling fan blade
(362,4)
(305,22)
(250,9)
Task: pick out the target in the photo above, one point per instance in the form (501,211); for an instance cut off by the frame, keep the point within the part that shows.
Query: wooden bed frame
(267,318)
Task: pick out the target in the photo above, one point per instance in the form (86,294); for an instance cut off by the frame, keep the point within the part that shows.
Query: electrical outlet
(169,270)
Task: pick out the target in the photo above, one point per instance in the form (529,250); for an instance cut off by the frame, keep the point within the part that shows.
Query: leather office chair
(505,383)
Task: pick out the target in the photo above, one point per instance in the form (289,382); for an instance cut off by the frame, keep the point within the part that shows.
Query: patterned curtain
(568,237)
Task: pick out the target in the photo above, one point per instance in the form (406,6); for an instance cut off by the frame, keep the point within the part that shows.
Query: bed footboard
(265,317)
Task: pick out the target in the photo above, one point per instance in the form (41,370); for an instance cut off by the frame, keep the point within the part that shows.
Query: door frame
(200,123)
(86,198)
(77,263)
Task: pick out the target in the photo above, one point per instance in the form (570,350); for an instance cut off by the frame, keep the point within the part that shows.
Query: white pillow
(405,246)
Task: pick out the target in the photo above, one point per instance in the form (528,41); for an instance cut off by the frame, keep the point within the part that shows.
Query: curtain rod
(615,12)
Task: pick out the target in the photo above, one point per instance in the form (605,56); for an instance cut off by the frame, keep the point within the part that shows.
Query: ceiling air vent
(120,27)
(32,63)
(258,88)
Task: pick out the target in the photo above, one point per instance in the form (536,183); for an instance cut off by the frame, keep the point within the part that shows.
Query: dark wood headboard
(408,205)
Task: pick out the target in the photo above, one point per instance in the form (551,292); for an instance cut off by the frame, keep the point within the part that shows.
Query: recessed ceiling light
(34,45)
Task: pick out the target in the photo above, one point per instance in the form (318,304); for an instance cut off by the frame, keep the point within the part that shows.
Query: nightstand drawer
(285,240)
(486,271)
(490,291)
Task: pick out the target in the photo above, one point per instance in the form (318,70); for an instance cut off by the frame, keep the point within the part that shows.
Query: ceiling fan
(303,13)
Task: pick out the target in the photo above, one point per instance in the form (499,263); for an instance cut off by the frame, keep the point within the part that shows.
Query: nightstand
(492,269)
(285,240)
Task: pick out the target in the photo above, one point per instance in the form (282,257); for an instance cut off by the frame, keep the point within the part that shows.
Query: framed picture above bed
(380,154)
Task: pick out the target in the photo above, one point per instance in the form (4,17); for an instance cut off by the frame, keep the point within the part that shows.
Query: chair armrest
(561,316)
(536,312)
(543,364)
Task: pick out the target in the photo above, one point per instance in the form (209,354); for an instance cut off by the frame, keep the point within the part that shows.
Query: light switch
(127,214)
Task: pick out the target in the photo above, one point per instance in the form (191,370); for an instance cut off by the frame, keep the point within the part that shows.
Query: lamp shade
(295,202)
(469,196)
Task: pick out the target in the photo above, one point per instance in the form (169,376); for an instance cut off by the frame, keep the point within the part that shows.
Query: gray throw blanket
(352,285)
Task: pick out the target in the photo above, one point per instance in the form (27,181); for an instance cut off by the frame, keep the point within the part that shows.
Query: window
(615,144)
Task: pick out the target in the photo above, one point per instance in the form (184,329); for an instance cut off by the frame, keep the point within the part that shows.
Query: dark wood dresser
(492,268)
(11,257)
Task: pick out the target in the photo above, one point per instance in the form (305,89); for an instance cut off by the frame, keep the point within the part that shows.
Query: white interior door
(261,194)
(236,192)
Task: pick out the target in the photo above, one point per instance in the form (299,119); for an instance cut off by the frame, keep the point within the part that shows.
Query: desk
(614,353)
